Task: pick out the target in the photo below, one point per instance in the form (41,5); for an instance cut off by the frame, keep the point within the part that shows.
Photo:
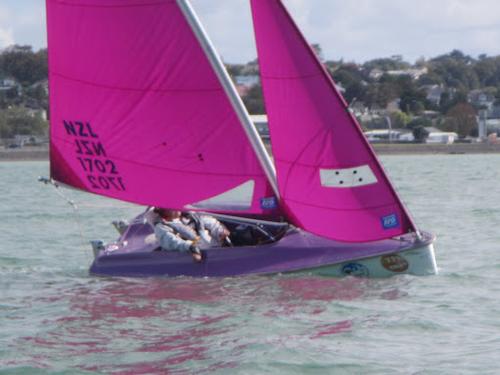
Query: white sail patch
(348,177)
(237,199)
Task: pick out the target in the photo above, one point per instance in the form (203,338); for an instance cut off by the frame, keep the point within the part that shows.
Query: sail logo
(268,203)
(390,221)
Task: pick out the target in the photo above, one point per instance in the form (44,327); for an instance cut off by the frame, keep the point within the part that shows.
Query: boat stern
(415,257)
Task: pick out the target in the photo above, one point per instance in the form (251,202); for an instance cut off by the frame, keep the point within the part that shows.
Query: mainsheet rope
(72,203)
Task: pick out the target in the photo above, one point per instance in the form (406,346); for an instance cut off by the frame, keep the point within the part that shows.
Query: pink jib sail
(329,179)
(138,114)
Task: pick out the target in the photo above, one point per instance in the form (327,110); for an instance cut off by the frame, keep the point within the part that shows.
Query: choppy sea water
(56,319)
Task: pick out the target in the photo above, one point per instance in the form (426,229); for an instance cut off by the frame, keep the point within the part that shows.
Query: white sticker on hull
(347,177)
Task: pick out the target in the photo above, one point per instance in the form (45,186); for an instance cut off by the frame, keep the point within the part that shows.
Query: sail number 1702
(102,167)
(90,165)
(106,182)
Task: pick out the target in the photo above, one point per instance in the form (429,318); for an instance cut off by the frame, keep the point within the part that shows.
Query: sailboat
(143,111)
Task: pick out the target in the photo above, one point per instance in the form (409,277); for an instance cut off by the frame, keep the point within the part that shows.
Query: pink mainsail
(138,114)
(329,179)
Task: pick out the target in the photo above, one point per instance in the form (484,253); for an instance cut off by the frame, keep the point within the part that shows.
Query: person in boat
(191,232)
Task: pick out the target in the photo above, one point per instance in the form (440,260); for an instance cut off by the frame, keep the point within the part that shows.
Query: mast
(231,92)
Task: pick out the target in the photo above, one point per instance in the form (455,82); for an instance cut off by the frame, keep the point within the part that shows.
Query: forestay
(329,179)
(138,114)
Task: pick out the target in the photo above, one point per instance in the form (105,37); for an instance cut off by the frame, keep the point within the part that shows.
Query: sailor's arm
(169,240)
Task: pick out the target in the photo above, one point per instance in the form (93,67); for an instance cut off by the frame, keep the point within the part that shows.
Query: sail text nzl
(79,129)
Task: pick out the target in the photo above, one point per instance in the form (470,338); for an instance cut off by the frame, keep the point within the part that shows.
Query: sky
(353,30)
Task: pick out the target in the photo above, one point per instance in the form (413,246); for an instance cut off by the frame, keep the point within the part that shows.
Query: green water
(55,319)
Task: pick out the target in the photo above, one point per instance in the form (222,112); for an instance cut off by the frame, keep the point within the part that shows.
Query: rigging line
(72,203)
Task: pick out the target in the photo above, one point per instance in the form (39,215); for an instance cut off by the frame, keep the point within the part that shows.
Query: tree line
(22,93)
(456,72)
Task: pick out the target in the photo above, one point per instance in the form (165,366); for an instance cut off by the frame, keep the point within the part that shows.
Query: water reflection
(149,326)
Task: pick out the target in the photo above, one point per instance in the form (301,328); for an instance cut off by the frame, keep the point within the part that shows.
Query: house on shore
(435,136)
(260,123)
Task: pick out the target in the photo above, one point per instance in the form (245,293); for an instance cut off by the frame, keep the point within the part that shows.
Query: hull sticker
(355,269)
(394,263)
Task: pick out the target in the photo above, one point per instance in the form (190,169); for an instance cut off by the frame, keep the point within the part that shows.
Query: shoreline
(426,148)
(25,154)
(42,153)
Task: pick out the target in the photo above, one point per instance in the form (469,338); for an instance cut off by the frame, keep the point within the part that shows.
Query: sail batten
(138,113)
(113,4)
(139,89)
(330,181)
(176,170)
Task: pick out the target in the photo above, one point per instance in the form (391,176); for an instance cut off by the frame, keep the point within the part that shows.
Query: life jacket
(188,234)
(195,220)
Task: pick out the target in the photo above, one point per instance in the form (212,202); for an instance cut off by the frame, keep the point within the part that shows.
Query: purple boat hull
(296,251)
